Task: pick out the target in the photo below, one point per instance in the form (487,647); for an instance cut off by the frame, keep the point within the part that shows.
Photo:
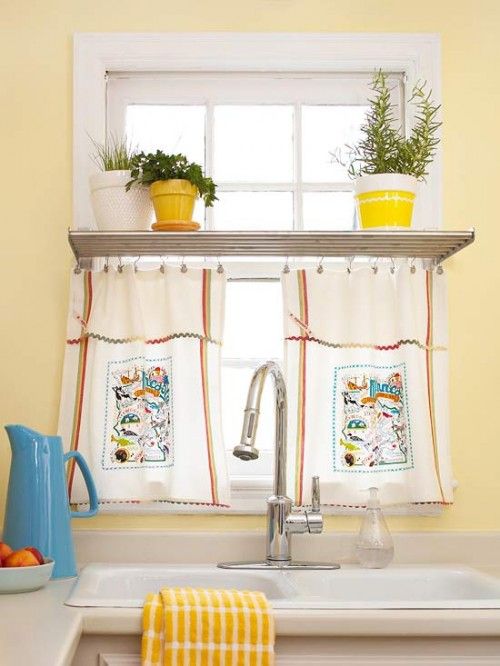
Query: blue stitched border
(387,467)
(159,465)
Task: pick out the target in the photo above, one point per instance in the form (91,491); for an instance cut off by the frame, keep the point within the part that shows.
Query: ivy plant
(148,168)
(383,148)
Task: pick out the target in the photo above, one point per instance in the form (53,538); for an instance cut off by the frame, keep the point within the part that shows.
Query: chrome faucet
(282,521)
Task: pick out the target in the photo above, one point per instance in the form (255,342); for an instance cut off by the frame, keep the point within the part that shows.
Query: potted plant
(174,184)
(116,208)
(386,164)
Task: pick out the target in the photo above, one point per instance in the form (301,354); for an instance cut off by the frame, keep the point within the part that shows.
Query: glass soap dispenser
(374,546)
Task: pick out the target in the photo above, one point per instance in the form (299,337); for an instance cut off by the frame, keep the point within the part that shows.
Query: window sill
(249,499)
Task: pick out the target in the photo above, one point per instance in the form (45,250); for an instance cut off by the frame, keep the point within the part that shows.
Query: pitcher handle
(89,482)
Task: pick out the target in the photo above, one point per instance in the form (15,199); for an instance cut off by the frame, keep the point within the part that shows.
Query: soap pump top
(374,546)
(373,500)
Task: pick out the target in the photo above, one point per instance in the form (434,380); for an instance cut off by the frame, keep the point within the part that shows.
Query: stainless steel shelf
(435,245)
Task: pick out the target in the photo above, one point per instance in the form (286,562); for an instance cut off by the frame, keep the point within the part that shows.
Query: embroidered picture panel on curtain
(141,385)
(366,365)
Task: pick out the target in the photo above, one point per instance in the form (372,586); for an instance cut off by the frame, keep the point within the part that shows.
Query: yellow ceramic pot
(173,201)
(385,200)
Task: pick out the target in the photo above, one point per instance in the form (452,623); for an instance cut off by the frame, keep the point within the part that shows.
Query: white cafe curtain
(141,385)
(366,364)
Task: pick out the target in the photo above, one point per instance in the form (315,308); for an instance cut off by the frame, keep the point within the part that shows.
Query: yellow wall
(35,205)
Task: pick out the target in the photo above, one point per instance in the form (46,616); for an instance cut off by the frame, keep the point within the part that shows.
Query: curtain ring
(220,267)
(286,267)
(413,268)
(162,265)
(106,265)
(374,266)
(393,266)
(320,268)
(78,269)
(439,269)
(136,262)
(120,265)
(183,266)
(349,264)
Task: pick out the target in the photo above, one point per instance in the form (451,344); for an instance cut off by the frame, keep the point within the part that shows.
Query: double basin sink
(429,587)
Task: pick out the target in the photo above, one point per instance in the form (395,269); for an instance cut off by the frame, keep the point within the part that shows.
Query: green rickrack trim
(138,338)
(365,345)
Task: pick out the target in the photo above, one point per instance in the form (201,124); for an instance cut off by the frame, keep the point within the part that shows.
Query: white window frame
(95,54)
(416,56)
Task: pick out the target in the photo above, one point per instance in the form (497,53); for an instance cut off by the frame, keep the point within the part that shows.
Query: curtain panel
(367,372)
(141,385)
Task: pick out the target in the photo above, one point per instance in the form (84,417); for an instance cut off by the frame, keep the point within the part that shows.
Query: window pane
(173,129)
(324,130)
(254,324)
(235,383)
(199,212)
(253,143)
(254,210)
(253,330)
(328,211)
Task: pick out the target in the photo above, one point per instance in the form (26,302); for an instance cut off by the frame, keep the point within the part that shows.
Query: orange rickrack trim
(138,338)
(365,345)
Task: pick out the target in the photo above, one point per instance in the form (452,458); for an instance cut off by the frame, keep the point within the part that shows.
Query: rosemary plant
(383,148)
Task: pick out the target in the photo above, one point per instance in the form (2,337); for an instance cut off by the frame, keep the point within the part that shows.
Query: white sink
(125,586)
(399,587)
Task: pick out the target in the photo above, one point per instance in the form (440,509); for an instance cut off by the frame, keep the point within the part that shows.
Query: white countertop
(37,628)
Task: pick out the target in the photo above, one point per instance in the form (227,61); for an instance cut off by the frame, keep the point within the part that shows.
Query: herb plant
(113,155)
(383,148)
(148,168)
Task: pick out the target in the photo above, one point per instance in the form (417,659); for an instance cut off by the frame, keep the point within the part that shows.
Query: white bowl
(25,579)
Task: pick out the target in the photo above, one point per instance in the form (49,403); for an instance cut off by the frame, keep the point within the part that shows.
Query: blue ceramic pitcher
(37,511)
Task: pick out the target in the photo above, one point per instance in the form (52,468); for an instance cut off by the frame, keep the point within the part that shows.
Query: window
(267,140)
(262,114)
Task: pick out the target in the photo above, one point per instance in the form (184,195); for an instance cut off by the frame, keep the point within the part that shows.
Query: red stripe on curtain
(430,381)
(301,411)
(80,386)
(206,287)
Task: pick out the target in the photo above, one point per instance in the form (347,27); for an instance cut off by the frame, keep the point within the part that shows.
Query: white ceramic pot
(115,209)
(385,181)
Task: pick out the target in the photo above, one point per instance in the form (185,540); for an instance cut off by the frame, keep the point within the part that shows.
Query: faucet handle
(314,517)
(315,501)
(308,521)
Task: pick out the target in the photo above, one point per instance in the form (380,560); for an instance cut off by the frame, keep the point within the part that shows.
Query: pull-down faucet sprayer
(281,521)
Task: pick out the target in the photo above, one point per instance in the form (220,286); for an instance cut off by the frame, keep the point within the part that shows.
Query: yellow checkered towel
(184,626)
